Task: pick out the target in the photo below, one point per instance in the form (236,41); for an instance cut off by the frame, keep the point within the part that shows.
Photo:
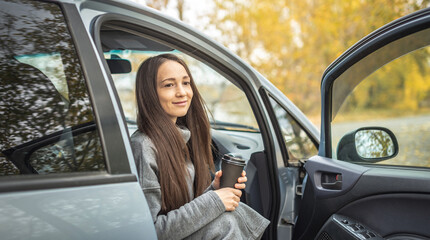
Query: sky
(194,9)
(195,14)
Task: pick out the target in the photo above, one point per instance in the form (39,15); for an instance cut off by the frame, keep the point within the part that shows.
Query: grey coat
(203,217)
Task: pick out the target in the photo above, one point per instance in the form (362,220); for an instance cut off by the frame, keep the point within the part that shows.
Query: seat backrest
(28,100)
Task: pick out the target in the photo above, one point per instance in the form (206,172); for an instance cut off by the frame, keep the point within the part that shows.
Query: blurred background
(292,42)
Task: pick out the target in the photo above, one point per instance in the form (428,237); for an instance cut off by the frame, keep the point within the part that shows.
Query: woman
(172,149)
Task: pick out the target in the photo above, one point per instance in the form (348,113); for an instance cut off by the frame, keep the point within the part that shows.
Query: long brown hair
(172,151)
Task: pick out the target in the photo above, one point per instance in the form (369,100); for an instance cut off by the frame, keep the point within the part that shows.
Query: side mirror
(368,144)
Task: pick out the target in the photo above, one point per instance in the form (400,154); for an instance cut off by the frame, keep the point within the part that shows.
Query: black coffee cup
(232,168)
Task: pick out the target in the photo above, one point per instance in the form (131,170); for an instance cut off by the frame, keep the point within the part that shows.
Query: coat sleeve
(179,223)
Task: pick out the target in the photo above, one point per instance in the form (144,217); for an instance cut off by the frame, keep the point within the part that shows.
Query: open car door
(371,177)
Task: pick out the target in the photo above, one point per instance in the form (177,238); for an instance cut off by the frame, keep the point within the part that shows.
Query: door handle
(331,181)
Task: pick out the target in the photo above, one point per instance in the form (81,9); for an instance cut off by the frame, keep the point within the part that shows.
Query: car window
(46,118)
(395,96)
(228,105)
(296,140)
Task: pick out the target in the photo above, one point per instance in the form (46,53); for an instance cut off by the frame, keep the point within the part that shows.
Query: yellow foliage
(292,42)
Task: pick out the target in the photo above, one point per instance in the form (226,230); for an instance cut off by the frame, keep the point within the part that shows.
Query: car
(67,111)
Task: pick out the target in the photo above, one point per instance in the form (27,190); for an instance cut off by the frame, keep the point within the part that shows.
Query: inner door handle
(331,181)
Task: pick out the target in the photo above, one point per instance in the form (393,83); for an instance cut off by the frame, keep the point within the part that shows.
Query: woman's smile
(174,89)
(181,103)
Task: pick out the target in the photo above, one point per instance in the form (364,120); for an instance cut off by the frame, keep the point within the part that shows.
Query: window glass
(397,97)
(297,142)
(46,118)
(50,64)
(228,106)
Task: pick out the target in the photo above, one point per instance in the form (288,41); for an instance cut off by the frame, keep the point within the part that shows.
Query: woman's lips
(181,103)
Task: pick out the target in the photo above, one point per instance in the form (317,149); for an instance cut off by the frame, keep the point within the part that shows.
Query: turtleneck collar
(185,133)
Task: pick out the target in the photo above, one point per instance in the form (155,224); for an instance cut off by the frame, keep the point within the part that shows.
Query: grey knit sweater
(203,217)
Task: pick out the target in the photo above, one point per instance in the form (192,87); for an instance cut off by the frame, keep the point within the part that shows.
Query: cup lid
(234,160)
(237,163)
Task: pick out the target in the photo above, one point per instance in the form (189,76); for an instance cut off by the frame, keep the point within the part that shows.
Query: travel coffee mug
(232,168)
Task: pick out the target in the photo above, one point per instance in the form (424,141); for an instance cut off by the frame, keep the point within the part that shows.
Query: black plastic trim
(400,214)
(350,173)
(342,227)
(326,112)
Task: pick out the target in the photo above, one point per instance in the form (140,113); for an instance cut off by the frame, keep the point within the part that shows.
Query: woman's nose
(180,91)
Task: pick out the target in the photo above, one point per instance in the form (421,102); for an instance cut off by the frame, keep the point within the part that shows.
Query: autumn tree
(162,5)
(292,42)
(157,4)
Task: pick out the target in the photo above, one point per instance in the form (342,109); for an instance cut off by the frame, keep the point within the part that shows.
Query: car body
(68,109)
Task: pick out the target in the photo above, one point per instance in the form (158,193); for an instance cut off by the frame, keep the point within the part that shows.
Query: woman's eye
(187,83)
(168,85)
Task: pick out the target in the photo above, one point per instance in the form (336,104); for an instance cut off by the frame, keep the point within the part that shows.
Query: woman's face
(174,89)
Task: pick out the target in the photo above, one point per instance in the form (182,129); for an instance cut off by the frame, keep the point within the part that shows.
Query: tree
(292,42)
(163,4)
(157,4)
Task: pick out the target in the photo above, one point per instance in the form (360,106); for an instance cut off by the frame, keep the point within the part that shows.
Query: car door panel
(258,190)
(109,211)
(332,177)
(370,197)
(393,215)
(247,145)
(392,201)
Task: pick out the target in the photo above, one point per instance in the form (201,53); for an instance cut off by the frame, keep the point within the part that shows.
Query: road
(413,136)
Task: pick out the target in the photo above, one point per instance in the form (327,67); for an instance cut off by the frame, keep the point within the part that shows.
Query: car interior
(51,151)
(32,78)
(125,49)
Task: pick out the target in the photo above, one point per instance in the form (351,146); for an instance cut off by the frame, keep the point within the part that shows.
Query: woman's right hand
(230,197)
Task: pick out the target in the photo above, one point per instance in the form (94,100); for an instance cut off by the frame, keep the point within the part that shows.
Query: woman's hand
(216,181)
(230,197)
(241,181)
(240,185)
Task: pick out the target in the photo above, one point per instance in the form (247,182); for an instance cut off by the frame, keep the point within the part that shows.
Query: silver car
(67,109)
